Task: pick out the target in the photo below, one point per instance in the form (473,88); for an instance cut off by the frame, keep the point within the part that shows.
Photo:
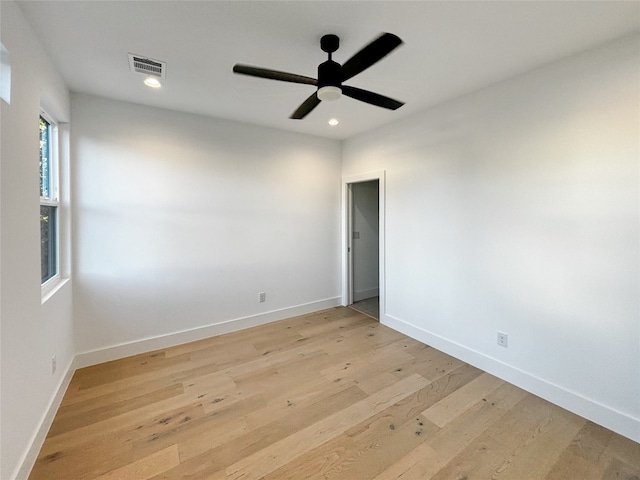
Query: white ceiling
(450,48)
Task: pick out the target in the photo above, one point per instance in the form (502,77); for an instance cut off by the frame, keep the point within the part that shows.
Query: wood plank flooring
(330,395)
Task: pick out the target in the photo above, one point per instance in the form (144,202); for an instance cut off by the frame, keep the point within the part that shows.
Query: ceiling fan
(331,74)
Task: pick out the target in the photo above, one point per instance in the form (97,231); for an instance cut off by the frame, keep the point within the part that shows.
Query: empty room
(319,239)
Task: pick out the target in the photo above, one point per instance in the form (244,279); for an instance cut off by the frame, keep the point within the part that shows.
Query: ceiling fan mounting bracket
(329,43)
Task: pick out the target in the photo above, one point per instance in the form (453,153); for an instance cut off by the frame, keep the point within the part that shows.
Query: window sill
(50,287)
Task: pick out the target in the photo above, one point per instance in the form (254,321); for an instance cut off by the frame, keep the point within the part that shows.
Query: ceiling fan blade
(372,98)
(305,108)
(273,74)
(375,51)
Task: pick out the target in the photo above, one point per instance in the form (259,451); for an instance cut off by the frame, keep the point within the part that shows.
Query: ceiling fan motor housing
(329,74)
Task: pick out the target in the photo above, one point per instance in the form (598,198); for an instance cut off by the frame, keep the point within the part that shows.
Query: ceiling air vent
(147,66)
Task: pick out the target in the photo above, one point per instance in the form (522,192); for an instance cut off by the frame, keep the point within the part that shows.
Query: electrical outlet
(262,297)
(54,364)
(503,339)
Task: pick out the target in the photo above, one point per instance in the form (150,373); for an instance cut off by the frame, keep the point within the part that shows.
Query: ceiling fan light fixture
(329,93)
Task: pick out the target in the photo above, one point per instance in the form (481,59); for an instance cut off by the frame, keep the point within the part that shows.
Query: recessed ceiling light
(333,122)
(152,82)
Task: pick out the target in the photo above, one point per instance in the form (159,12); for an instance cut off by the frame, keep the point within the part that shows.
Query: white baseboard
(612,419)
(363,294)
(115,352)
(31,455)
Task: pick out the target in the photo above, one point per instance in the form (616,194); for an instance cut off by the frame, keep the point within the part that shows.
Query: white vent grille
(147,66)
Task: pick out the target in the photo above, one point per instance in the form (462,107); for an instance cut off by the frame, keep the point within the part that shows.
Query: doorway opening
(364,242)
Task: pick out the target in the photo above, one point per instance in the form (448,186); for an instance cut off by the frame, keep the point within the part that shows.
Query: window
(49,202)
(5,75)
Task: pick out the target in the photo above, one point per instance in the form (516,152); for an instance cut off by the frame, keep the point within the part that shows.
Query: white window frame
(54,198)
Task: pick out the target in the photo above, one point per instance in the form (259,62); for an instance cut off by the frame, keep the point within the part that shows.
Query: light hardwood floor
(330,395)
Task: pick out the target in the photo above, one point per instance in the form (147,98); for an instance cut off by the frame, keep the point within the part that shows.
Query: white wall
(365,248)
(181,220)
(31,331)
(515,209)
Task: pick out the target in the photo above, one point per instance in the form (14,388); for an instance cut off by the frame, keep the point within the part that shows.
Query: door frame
(347,235)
